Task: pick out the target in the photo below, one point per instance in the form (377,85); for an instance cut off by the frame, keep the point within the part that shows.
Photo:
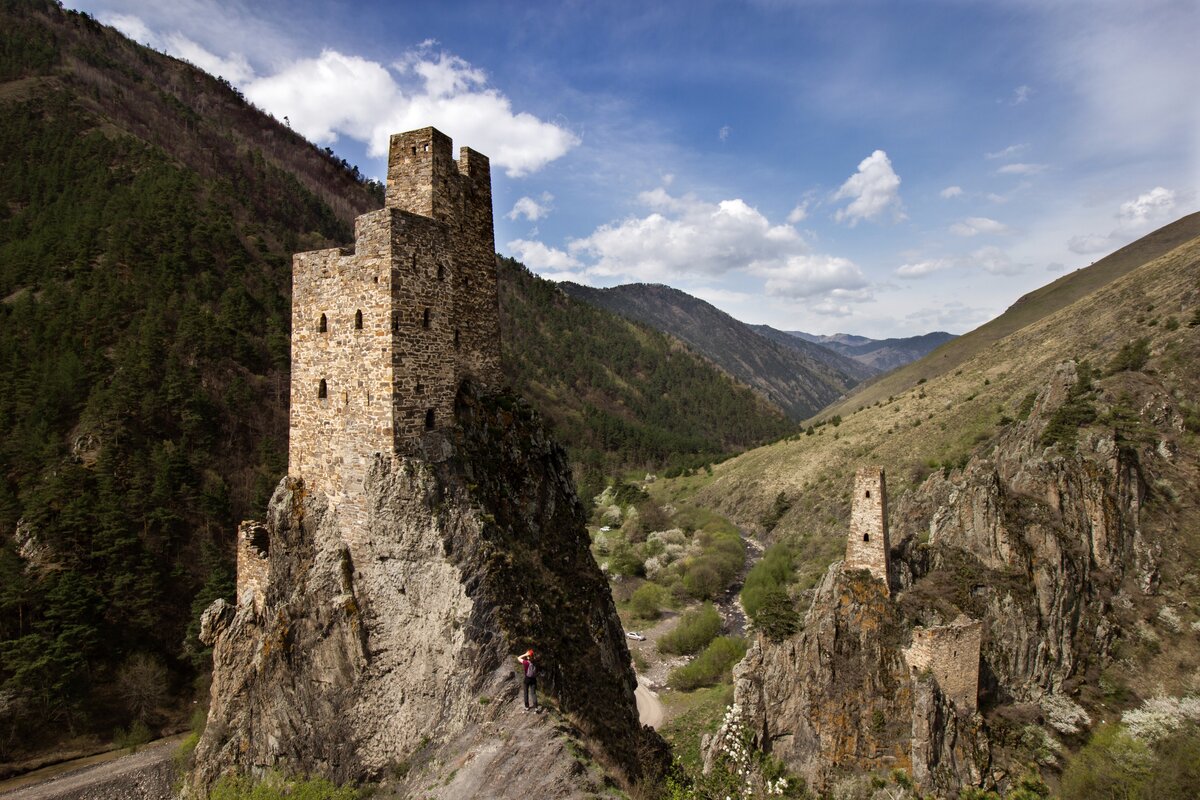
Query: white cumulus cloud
(873,191)
(539,257)
(996,261)
(233,68)
(1134,218)
(1089,243)
(340,94)
(687,237)
(810,275)
(973,226)
(531,209)
(1154,206)
(951,191)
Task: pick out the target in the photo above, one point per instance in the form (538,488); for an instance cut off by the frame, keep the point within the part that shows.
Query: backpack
(530,669)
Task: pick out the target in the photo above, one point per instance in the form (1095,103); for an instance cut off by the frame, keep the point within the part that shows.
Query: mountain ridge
(798,380)
(878,355)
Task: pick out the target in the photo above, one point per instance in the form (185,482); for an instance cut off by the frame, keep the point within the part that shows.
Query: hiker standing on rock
(530,669)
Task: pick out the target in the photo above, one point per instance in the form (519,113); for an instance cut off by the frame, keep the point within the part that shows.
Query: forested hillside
(144,349)
(147,219)
(619,392)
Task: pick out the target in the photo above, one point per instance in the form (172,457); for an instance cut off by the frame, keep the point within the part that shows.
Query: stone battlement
(867,543)
(383,334)
(951,653)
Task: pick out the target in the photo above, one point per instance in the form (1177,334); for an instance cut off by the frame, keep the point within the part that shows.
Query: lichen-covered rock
(359,664)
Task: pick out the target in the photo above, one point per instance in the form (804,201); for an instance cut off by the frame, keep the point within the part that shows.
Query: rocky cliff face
(838,697)
(363,665)
(1057,548)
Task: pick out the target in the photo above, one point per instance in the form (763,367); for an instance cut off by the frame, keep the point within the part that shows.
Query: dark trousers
(531,692)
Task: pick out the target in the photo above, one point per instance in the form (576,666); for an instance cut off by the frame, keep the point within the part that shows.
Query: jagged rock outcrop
(838,696)
(1037,541)
(361,667)
(1043,542)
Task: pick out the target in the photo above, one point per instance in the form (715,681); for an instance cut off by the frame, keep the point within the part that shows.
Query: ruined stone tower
(384,333)
(867,544)
(951,654)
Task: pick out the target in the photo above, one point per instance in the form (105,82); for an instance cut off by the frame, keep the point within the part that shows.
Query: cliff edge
(397,665)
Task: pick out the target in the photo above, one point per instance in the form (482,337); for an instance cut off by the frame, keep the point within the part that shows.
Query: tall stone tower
(867,545)
(384,333)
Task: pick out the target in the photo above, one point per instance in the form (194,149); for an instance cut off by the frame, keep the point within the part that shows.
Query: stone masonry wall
(425,180)
(391,327)
(951,653)
(252,563)
(867,544)
(331,438)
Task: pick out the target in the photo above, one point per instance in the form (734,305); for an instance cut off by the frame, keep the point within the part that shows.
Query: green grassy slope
(938,423)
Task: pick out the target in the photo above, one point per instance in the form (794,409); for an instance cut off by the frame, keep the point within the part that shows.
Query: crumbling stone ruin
(252,563)
(951,653)
(857,688)
(867,544)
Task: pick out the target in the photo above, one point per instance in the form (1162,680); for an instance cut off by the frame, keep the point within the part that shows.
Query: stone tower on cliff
(384,333)
(867,545)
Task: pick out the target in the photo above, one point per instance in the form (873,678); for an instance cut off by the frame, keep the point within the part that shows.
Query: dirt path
(73,778)
(650,708)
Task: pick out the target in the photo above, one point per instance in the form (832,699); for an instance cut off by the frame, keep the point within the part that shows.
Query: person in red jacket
(530,670)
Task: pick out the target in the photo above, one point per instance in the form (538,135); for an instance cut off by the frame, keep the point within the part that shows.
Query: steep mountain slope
(883,355)
(1046,487)
(619,392)
(148,216)
(796,381)
(1029,309)
(145,239)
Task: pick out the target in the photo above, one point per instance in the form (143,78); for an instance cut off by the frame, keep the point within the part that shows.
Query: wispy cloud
(919,269)
(973,226)
(951,191)
(1012,151)
(1022,169)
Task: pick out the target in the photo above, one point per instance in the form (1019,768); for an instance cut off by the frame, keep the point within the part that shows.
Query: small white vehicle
(606,529)
(637,637)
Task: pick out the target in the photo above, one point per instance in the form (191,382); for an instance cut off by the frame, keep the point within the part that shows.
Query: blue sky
(880,168)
